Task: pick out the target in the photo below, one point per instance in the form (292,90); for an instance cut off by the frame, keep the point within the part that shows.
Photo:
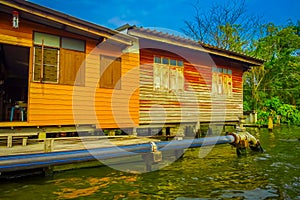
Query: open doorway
(14,67)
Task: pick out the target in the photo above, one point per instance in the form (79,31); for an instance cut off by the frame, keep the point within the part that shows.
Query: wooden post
(198,129)
(134,132)
(42,135)
(278,119)
(9,141)
(42,63)
(255,117)
(24,141)
(111,133)
(241,124)
(251,118)
(164,131)
(48,145)
(270,123)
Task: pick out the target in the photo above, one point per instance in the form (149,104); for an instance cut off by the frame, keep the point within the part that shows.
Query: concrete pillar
(209,131)
(179,153)
(152,158)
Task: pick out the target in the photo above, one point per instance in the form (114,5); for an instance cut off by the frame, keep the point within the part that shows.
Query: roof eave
(195,46)
(67,20)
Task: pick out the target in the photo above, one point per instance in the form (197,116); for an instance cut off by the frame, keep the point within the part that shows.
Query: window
(72,70)
(46,58)
(49,72)
(58,59)
(173,62)
(221,81)
(180,63)
(168,74)
(46,40)
(110,72)
(72,44)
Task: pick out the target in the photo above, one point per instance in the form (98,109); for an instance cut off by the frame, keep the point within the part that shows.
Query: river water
(274,174)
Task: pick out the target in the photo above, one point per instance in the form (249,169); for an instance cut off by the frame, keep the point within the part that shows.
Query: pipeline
(244,140)
(43,160)
(240,140)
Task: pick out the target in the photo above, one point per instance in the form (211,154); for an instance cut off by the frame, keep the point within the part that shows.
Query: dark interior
(14,67)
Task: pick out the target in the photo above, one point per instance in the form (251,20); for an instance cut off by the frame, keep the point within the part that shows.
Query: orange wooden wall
(56,104)
(196,103)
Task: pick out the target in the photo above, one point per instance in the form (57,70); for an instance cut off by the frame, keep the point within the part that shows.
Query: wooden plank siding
(196,103)
(65,104)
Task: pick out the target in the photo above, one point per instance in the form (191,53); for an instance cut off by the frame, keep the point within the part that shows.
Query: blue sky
(168,14)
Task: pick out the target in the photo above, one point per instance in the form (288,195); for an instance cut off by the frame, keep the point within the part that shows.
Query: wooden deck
(10,136)
(75,143)
(14,124)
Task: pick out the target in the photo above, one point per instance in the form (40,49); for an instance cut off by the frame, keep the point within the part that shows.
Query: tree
(225,25)
(229,26)
(280,75)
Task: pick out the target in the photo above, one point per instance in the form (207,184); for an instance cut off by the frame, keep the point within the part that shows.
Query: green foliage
(289,114)
(272,104)
(228,26)
(246,106)
(280,75)
(230,37)
(262,117)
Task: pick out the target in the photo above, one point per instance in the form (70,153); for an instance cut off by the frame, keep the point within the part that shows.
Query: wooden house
(57,70)
(187,82)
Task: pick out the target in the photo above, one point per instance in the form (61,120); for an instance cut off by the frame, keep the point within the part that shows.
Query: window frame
(116,85)
(221,77)
(77,69)
(69,38)
(34,63)
(58,48)
(168,85)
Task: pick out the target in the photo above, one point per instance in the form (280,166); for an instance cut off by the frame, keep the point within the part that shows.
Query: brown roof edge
(180,41)
(256,60)
(62,18)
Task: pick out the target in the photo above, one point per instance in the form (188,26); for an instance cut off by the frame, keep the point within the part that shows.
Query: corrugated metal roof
(189,43)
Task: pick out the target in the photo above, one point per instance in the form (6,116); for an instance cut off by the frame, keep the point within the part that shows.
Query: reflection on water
(220,175)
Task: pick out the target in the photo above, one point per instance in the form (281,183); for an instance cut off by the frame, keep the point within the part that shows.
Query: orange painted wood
(196,103)
(65,104)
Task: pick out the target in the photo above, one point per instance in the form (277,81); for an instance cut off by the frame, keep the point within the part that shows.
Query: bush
(272,107)
(289,114)
(262,117)
(246,106)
